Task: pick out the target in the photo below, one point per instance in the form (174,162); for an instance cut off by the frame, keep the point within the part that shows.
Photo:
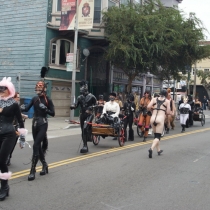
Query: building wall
(22,40)
(170,3)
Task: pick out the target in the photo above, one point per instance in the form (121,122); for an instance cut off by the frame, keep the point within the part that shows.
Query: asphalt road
(117,178)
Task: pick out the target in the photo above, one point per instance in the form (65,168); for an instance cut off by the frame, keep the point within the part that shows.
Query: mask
(3,88)
(111,99)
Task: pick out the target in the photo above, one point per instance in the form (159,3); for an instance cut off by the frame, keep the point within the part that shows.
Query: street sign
(69,66)
(69,57)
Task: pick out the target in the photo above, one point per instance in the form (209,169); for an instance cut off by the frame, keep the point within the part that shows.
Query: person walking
(9,109)
(159,106)
(16,126)
(43,106)
(204,103)
(129,109)
(184,109)
(145,115)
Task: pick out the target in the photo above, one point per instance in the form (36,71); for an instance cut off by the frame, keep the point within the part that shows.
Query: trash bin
(30,112)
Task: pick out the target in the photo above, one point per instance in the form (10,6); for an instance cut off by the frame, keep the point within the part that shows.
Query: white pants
(183,118)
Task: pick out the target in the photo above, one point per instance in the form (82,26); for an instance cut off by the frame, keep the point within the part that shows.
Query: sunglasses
(3,88)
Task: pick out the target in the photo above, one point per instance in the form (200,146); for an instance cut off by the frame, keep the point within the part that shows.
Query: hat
(113,94)
(6,82)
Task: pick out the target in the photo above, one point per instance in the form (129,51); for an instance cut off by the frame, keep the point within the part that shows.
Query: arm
(168,109)
(150,105)
(26,108)
(18,115)
(117,111)
(104,109)
(50,109)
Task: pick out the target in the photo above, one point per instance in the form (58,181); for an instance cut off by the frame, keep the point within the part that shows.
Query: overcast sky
(202,10)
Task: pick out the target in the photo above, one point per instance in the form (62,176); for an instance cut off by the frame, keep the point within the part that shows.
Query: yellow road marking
(96,154)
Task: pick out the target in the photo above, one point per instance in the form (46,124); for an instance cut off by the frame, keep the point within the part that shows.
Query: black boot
(183,128)
(85,147)
(35,159)
(44,165)
(4,192)
(130,135)
(145,139)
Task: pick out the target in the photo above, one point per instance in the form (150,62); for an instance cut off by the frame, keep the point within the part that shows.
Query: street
(110,177)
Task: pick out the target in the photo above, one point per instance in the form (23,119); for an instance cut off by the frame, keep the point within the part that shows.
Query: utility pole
(74,61)
(195,75)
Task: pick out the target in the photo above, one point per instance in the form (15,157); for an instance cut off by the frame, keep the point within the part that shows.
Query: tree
(146,37)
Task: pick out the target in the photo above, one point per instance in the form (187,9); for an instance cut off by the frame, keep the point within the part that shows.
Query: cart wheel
(203,120)
(121,137)
(139,131)
(95,139)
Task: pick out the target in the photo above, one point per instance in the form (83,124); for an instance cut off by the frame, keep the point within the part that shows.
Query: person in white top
(111,107)
(184,109)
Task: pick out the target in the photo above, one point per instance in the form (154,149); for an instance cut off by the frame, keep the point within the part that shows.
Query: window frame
(56,42)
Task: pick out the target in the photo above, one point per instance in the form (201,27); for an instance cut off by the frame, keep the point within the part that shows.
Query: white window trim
(56,65)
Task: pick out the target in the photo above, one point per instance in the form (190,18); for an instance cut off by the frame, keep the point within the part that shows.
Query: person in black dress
(43,106)
(9,109)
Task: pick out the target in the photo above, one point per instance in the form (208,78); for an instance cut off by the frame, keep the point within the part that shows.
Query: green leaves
(146,36)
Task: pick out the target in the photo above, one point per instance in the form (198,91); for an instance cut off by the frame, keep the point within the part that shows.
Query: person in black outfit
(86,100)
(43,106)
(191,103)
(16,126)
(129,108)
(9,109)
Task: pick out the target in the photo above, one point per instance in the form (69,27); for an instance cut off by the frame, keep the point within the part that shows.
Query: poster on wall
(68,11)
(85,14)
(68,14)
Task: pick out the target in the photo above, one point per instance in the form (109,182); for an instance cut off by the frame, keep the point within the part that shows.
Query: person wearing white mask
(111,108)
(184,109)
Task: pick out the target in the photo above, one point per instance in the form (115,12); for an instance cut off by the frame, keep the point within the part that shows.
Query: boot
(44,165)
(130,135)
(4,192)
(145,139)
(183,128)
(35,159)
(85,147)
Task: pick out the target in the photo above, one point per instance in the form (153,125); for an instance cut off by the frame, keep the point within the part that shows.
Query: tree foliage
(146,37)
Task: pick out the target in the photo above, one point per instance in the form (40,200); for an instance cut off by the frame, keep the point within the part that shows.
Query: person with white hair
(9,109)
(184,109)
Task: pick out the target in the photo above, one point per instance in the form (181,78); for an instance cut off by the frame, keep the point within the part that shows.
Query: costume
(129,108)
(100,105)
(184,109)
(191,103)
(111,107)
(144,117)
(9,109)
(43,106)
(86,100)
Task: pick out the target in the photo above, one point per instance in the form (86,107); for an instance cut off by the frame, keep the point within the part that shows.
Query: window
(58,6)
(97,11)
(206,70)
(59,49)
(111,3)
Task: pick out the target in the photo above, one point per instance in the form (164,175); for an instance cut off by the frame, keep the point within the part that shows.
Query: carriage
(104,129)
(198,115)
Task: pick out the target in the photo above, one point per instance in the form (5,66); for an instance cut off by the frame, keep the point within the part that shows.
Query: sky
(201,8)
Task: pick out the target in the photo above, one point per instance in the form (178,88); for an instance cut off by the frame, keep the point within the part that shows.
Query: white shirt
(183,105)
(112,106)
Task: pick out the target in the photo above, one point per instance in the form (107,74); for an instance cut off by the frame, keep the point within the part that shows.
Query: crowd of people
(157,112)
